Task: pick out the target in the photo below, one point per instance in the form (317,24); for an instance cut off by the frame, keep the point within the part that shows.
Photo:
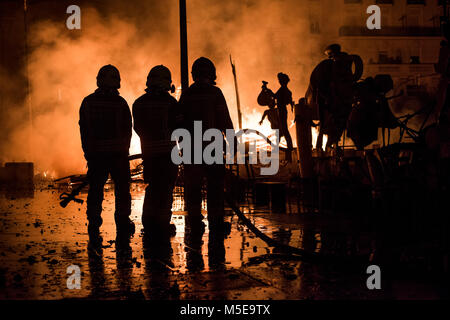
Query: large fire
(135,145)
(315,136)
(63,67)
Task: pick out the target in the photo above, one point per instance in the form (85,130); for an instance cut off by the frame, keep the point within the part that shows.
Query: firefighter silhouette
(105,128)
(155,116)
(203,101)
(330,92)
(371,110)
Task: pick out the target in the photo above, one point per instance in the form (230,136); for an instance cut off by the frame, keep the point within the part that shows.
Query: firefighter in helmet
(155,117)
(204,102)
(331,91)
(105,128)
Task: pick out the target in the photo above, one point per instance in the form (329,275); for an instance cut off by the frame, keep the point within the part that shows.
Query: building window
(413,20)
(414,60)
(414,17)
(386,18)
(352,20)
(383,57)
(353,17)
(314,26)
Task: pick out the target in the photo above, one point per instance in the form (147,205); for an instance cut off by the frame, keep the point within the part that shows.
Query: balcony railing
(355,31)
(400,69)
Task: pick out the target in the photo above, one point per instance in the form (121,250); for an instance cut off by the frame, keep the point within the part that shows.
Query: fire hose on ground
(66,198)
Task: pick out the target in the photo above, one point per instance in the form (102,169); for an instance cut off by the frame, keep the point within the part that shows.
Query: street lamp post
(183,47)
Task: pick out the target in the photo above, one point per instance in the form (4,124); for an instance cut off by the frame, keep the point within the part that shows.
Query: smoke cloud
(264,37)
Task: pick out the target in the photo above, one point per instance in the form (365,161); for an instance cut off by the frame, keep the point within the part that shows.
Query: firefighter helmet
(108,77)
(204,68)
(159,77)
(333,50)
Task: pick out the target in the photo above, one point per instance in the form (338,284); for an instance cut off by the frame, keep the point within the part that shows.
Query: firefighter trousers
(99,168)
(160,173)
(193,182)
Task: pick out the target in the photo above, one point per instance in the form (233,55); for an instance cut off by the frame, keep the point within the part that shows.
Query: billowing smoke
(264,37)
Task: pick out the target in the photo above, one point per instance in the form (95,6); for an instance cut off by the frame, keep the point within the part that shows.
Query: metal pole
(28,96)
(183,47)
(303,119)
(238,101)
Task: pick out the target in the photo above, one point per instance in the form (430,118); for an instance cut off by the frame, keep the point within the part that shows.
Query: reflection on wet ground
(39,240)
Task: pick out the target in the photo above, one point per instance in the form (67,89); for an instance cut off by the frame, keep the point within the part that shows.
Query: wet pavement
(39,240)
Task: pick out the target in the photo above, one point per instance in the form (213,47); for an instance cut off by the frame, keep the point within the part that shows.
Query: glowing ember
(324,142)
(177,93)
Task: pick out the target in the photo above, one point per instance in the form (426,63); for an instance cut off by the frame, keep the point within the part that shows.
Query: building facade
(406,47)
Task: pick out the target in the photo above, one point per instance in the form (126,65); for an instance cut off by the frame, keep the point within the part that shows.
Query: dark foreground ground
(39,240)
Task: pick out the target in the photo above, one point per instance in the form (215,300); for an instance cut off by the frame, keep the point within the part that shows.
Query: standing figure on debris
(105,127)
(330,92)
(154,115)
(284,97)
(278,116)
(204,102)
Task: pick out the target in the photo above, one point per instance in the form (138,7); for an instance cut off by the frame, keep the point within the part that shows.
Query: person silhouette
(105,128)
(204,102)
(284,98)
(330,92)
(155,115)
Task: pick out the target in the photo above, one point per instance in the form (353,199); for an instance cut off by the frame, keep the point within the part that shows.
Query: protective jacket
(206,103)
(155,117)
(105,124)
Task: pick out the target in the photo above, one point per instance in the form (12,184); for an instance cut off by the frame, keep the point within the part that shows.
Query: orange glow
(135,145)
(251,121)
(315,136)
(324,142)
(63,68)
